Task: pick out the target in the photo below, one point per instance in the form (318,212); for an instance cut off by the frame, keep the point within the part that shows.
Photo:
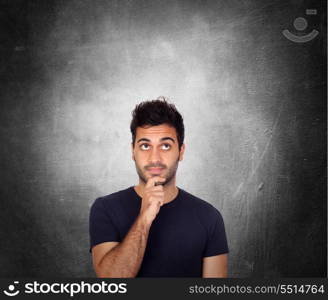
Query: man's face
(156,152)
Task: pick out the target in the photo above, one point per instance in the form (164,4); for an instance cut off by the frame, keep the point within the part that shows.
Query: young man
(156,229)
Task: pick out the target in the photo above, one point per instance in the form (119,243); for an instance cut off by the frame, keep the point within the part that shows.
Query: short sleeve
(217,240)
(101,226)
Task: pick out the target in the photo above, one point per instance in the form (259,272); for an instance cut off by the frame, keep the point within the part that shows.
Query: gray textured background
(254,105)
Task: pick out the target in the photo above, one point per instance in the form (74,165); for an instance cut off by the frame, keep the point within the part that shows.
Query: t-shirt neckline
(172,203)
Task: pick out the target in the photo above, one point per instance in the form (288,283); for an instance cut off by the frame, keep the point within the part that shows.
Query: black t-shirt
(184,231)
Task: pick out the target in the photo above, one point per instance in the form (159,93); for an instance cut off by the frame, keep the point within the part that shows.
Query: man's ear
(182,150)
(132,150)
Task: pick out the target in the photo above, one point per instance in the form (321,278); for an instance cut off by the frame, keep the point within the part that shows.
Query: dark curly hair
(157,112)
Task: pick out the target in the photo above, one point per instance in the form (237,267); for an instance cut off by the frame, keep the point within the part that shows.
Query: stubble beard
(168,178)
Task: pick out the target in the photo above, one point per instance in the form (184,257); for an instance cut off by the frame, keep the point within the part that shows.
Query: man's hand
(153,199)
(124,259)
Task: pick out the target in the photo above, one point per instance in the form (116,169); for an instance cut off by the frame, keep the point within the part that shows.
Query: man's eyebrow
(167,138)
(162,139)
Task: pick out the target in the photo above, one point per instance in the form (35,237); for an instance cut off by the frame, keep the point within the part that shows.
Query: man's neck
(170,190)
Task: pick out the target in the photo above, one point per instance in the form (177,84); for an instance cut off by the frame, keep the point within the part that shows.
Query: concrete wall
(254,105)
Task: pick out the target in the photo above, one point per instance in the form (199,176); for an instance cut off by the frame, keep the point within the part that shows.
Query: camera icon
(301,24)
(11,289)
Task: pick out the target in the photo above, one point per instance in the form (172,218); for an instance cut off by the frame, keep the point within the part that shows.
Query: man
(156,229)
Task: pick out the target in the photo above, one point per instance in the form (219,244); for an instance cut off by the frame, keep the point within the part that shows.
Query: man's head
(157,139)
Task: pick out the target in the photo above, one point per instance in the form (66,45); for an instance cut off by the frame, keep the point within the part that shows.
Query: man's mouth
(155,170)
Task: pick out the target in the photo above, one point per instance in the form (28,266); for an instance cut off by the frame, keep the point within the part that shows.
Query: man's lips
(155,170)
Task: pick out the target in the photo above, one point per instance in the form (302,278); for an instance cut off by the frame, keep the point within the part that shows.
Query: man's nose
(154,156)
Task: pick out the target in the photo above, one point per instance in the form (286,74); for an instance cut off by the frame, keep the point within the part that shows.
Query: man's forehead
(157,131)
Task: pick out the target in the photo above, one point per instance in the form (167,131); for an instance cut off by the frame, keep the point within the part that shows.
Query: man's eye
(167,146)
(144,146)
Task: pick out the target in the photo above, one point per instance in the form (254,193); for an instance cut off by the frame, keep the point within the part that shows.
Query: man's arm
(123,259)
(120,260)
(215,266)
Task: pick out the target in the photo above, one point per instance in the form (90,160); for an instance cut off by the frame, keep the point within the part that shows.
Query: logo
(11,289)
(70,289)
(301,24)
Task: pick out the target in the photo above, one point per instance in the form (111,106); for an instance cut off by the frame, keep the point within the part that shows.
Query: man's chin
(155,175)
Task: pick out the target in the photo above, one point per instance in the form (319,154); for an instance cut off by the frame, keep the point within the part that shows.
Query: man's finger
(151,182)
(158,183)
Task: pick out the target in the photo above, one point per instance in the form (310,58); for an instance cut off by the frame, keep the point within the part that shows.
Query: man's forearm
(125,259)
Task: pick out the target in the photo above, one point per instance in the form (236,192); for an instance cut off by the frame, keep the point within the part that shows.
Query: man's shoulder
(197,203)
(205,212)
(113,198)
